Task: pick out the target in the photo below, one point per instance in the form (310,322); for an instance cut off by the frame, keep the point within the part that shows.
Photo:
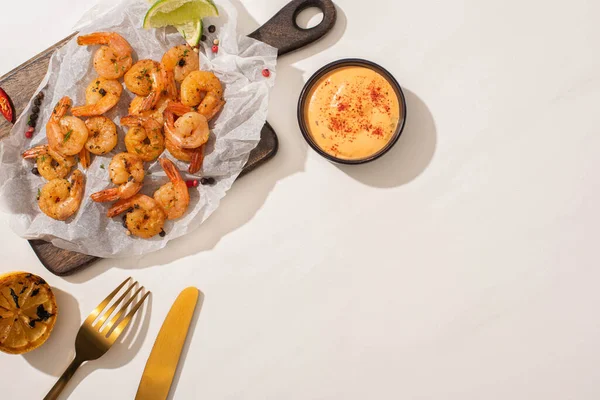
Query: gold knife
(162,363)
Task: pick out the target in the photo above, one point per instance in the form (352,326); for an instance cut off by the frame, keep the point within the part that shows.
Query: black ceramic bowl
(350,62)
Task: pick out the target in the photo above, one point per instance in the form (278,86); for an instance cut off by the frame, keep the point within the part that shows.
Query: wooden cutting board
(281,32)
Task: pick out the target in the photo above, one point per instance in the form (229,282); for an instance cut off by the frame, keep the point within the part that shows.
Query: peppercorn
(181,62)
(40,95)
(31,122)
(34,116)
(29,134)
(203,38)
(216,42)
(35,171)
(35,109)
(215,49)
(102,92)
(162,234)
(207,181)
(191,183)
(266,73)
(212,29)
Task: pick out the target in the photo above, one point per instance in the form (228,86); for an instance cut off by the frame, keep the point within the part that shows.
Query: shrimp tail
(125,191)
(170,85)
(110,38)
(93,38)
(170,169)
(61,108)
(106,195)
(35,151)
(178,108)
(197,160)
(131,120)
(84,158)
(119,208)
(92,110)
(150,101)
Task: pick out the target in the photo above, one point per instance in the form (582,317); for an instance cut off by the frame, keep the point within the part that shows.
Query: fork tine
(113,307)
(92,317)
(123,324)
(114,319)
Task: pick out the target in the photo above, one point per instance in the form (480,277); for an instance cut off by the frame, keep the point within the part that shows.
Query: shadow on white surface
(54,355)
(409,157)
(120,354)
(186,346)
(247,196)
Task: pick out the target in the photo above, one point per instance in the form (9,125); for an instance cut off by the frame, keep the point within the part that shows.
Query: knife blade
(164,357)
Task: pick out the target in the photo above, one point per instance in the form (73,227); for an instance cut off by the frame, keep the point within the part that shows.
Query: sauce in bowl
(353,112)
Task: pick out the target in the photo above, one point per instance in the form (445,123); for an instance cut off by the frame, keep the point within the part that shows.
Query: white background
(463,265)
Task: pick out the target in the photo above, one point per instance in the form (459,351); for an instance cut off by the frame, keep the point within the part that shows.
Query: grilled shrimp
(190,131)
(112,60)
(202,83)
(194,156)
(145,217)
(173,196)
(139,78)
(127,171)
(102,136)
(100,96)
(60,199)
(66,134)
(182,60)
(145,138)
(50,164)
(156,112)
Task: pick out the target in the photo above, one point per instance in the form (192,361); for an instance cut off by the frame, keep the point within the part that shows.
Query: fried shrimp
(190,131)
(102,136)
(60,199)
(101,95)
(66,134)
(203,83)
(145,217)
(145,138)
(173,196)
(50,164)
(182,60)
(112,60)
(127,171)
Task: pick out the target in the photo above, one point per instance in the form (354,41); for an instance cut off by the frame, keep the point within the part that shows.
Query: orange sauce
(352,112)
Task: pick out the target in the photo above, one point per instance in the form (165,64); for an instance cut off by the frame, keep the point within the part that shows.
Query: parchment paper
(234,133)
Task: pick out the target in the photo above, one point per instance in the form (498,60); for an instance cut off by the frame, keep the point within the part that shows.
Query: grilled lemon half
(27,312)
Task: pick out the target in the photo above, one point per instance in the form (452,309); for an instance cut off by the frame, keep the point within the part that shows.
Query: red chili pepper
(6,107)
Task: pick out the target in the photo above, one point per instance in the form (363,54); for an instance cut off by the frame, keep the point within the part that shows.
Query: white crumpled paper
(236,131)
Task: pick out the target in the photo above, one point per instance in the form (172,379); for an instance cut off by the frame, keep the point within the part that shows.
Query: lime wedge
(178,12)
(191,31)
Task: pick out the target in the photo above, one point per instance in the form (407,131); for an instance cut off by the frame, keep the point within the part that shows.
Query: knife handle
(64,379)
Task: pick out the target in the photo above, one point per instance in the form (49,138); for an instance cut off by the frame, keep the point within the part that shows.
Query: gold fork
(93,340)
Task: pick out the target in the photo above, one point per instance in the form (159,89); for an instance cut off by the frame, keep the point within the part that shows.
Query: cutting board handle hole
(309,18)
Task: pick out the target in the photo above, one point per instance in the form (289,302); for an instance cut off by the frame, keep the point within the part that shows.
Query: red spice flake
(342,106)
(378,132)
